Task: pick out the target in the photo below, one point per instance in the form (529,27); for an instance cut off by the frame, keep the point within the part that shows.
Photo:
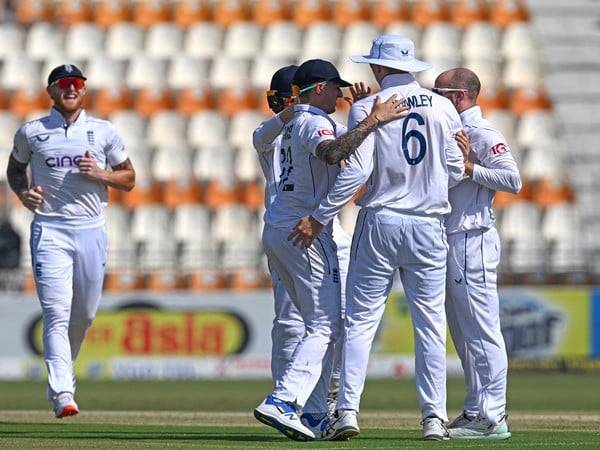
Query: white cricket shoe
(481,428)
(342,426)
(434,429)
(461,421)
(283,417)
(65,406)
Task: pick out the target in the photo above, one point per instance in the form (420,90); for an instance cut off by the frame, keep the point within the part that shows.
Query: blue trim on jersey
(465,252)
(482,259)
(595,322)
(312,175)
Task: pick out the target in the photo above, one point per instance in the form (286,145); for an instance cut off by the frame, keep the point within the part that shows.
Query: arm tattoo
(16,174)
(125,165)
(336,150)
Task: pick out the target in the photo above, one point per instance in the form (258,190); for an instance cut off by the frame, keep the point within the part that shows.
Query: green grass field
(546,410)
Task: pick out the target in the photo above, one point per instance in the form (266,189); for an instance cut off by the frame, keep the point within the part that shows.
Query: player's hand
(358,91)
(464,143)
(89,168)
(392,109)
(305,232)
(32,198)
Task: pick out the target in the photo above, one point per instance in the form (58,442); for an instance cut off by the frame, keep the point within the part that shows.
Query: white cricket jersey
(267,143)
(407,164)
(303,179)
(53,149)
(495,170)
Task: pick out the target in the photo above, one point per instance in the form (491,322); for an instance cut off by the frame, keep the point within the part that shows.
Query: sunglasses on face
(65,83)
(443,91)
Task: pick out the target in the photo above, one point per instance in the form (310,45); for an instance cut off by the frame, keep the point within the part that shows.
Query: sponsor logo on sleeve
(324,132)
(498,149)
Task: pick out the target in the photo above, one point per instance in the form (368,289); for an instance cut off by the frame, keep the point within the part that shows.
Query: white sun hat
(393,51)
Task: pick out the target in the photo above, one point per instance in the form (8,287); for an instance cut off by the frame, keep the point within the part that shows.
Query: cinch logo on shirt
(63,161)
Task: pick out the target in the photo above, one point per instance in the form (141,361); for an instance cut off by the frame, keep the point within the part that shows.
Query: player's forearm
(17,179)
(507,179)
(123,180)
(334,151)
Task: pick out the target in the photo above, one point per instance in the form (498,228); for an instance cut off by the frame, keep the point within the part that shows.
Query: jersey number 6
(413,134)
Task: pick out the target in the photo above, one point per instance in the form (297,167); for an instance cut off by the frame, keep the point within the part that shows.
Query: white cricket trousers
(68,267)
(311,278)
(288,327)
(383,242)
(473,313)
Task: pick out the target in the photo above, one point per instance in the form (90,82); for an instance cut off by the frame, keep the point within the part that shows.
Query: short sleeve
(317,129)
(114,150)
(21,150)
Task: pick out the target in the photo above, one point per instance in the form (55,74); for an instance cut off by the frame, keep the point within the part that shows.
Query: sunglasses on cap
(442,91)
(65,83)
(297,91)
(278,101)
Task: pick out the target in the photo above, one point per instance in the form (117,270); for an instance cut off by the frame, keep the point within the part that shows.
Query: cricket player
(408,166)
(69,153)
(288,327)
(471,293)
(309,163)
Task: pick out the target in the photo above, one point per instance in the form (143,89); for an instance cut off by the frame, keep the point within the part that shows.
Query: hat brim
(414,65)
(342,83)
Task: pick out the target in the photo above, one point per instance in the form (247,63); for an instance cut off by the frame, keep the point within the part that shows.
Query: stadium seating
(183,81)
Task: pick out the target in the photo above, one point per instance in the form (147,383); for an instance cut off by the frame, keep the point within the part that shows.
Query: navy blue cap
(315,70)
(282,81)
(64,71)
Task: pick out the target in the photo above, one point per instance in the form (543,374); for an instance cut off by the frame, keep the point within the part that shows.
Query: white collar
(471,114)
(398,79)
(57,117)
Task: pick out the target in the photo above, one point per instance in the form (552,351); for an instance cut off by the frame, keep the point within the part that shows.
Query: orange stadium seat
(245,279)
(267,12)
(492,98)
(549,192)
(188,12)
(527,99)
(73,12)
(218,194)
(163,280)
(24,101)
(151,100)
(32,11)
(506,12)
(350,11)
(386,12)
(502,199)
(465,12)
(109,100)
(234,99)
(149,12)
(194,99)
(227,12)
(251,194)
(110,12)
(426,12)
(204,280)
(122,280)
(307,12)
